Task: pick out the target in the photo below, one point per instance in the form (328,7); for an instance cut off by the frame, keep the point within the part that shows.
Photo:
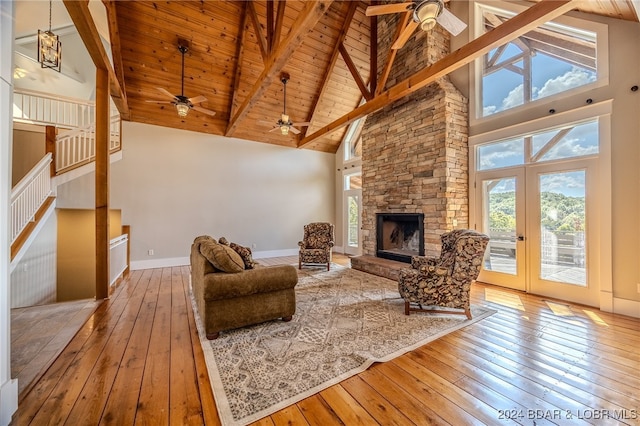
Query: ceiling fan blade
(165,92)
(159,102)
(274,129)
(301,124)
(203,110)
(405,35)
(383,9)
(265,123)
(294,130)
(197,99)
(450,22)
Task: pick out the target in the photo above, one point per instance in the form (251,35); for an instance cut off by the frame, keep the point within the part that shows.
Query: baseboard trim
(626,307)
(8,401)
(275,253)
(181,261)
(159,263)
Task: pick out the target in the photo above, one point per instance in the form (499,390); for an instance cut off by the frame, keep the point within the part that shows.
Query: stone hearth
(378,266)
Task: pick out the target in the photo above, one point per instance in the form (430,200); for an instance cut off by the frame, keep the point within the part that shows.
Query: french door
(544,228)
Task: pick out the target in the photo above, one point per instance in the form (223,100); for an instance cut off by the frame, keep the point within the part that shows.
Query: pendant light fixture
(49,47)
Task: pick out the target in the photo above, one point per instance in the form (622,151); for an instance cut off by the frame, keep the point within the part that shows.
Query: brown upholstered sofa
(231,300)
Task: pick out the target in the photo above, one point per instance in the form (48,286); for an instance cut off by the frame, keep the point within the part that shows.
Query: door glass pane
(500,224)
(352,236)
(562,227)
(568,142)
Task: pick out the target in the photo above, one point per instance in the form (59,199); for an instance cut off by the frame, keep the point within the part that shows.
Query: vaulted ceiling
(238,51)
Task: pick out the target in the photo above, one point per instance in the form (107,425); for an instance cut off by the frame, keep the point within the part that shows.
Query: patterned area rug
(345,321)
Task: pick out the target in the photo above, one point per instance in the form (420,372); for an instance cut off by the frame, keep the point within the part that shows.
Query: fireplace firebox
(399,236)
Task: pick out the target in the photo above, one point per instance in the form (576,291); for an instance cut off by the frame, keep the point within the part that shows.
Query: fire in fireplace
(400,236)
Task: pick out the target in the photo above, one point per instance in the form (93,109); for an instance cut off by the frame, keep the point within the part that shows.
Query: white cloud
(574,78)
(514,98)
(488,110)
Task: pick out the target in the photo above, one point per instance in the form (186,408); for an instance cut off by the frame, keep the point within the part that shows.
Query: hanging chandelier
(49,47)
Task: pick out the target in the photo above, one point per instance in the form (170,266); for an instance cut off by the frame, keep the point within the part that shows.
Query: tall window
(548,60)
(353,140)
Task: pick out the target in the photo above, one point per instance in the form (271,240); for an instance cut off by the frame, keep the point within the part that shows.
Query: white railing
(117,257)
(28,195)
(78,146)
(43,108)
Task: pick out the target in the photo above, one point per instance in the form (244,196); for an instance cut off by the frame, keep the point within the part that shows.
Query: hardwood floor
(137,360)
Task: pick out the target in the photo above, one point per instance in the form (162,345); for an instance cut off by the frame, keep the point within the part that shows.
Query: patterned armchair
(316,244)
(444,281)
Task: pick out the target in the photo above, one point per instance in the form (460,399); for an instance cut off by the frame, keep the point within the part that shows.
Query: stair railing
(78,147)
(42,108)
(28,195)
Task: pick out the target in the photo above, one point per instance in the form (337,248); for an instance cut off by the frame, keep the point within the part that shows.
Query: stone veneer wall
(415,151)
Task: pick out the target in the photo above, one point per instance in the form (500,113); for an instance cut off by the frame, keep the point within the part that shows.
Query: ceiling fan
(284,123)
(425,13)
(181,102)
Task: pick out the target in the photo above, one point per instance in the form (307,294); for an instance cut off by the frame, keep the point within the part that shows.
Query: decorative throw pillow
(223,240)
(202,238)
(222,257)
(245,254)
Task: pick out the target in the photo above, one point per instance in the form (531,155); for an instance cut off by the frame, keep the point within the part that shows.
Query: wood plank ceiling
(237,52)
(227,57)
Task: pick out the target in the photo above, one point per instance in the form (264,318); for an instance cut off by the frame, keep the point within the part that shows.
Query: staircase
(32,199)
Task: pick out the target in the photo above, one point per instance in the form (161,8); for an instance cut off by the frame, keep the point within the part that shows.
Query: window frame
(475,70)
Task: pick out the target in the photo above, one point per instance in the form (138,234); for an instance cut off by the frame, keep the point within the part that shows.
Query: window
(353,140)
(573,141)
(548,60)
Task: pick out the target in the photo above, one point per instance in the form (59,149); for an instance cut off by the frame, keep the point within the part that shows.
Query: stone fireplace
(399,236)
(415,150)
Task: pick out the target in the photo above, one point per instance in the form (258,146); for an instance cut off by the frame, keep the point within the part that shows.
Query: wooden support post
(102,183)
(50,146)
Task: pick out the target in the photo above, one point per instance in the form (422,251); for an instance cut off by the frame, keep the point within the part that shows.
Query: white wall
(33,281)
(8,387)
(173,185)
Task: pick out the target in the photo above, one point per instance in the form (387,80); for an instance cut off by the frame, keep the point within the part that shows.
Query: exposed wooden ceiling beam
(391,56)
(309,16)
(373,52)
(270,26)
(242,38)
(81,17)
(282,4)
(332,62)
(116,47)
(520,24)
(260,38)
(354,72)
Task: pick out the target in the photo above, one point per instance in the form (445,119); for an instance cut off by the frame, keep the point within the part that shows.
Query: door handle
(520,237)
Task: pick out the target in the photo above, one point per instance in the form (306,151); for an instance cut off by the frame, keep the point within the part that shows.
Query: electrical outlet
(150,252)
(254,245)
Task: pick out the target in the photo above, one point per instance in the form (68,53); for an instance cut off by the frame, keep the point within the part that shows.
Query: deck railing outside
(28,195)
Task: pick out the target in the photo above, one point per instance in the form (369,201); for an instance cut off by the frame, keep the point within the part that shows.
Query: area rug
(345,321)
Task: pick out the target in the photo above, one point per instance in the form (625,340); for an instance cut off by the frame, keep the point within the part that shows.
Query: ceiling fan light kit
(181,102)
(426,13)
